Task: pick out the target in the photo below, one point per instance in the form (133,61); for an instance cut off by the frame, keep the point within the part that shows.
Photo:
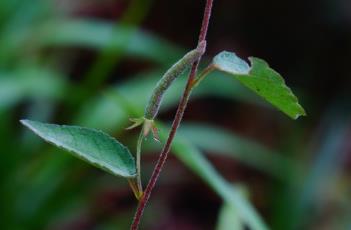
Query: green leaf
(99,34)
(261,79)
(229,219)
(220,141)
(27,83)
(193,158)
(92,146)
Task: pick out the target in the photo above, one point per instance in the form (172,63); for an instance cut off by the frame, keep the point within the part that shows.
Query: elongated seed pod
(164,83)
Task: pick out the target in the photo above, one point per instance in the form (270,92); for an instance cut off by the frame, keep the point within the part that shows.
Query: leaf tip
(29,124)
(25,122)
(299,112)
(302,113)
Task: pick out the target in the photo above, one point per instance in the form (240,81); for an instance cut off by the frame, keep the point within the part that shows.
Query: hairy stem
(178,118)
(140,187)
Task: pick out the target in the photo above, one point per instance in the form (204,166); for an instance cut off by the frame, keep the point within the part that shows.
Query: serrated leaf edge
(283,84)
(79,155)
(252,60)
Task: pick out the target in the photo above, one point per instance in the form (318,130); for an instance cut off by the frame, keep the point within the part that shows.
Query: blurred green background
(236,163)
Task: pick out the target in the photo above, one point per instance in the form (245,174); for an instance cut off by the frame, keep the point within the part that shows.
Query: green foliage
(39,184)
(97,34)
(228,219)
(220,141)
(193,158)
(261,79)
(102,151)
(95,147)
(190,153)
(27,83)
(71,137)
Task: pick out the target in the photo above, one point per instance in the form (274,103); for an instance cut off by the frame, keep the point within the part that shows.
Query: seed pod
(164,83)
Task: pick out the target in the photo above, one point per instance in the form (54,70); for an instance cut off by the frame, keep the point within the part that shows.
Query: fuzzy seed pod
(164,83)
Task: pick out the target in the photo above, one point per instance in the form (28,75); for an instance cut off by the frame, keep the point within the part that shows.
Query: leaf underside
(261,79)
(93,146)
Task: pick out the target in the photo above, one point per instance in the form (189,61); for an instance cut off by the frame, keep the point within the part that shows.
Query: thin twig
(178,118)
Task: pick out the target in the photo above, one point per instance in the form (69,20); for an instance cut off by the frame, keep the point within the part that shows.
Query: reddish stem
(178,118)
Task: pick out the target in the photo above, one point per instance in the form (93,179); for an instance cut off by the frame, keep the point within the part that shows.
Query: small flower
(147,126)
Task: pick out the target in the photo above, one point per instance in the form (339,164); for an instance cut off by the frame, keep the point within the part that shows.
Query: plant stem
(178,118)
(140,187)
(202,76)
